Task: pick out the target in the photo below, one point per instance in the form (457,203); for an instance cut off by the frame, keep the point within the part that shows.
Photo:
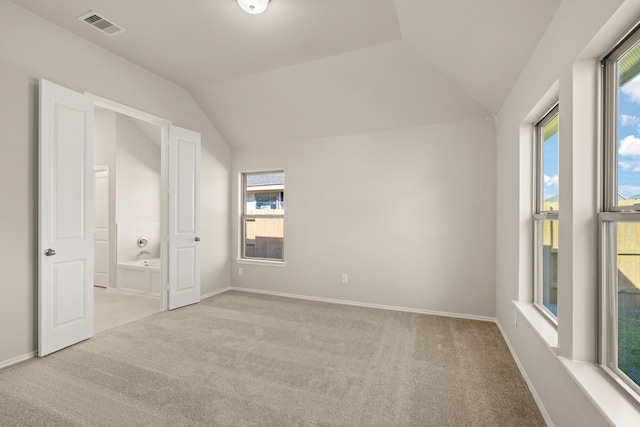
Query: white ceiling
(316,68)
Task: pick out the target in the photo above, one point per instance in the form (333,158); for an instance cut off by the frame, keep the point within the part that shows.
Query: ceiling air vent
(102,24)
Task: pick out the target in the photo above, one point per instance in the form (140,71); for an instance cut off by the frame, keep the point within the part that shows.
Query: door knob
(197,239)
(50,252)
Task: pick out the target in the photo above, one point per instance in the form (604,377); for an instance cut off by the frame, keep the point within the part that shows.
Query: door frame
(96,170)
(164,125)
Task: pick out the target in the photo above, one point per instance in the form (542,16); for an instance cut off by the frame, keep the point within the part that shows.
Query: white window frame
(244,217)
(540,215)
(611,216)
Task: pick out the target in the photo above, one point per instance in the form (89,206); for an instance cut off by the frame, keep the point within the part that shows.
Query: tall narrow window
(620,221)
(263,216)
(546,214)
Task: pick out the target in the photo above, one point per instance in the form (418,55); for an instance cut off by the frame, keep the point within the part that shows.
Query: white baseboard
(362,304)
(13,361)
(214,293)
(532,389)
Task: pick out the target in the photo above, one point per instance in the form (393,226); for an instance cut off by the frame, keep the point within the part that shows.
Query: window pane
(549,259)
(628,123)
(629,300)
(550,165)
(264,193)
(263,238)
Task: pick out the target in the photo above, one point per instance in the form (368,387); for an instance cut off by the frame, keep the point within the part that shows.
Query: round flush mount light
(253,7)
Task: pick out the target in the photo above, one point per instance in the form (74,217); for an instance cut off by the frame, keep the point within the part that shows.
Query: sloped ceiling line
(306,69)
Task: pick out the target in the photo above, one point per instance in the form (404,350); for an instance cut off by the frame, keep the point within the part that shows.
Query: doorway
(127,219)
(66,214)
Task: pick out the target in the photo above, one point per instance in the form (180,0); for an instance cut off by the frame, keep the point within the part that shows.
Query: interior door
(65,257)
(101,226)
(184,217)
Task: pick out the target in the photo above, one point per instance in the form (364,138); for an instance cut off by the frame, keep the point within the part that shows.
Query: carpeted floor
(240,359)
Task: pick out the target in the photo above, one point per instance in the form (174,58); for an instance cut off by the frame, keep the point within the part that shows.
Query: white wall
(30,49)
(137,174)
(138,190)
(409,215)
(564,67)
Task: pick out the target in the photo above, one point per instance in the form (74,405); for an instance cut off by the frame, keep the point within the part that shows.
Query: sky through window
(629,140)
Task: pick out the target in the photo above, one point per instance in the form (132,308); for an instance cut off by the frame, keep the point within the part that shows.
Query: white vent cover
(101,23)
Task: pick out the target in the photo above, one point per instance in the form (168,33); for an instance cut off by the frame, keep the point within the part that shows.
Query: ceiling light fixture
(253,7)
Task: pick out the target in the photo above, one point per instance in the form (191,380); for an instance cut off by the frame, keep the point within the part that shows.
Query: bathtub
(140,277)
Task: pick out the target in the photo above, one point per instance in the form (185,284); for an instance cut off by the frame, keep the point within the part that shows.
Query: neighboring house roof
(551,128)
(262,180)
(629,66)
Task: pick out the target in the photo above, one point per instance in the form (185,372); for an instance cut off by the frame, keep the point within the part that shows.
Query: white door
(65,258)
(184,217)
(101,226)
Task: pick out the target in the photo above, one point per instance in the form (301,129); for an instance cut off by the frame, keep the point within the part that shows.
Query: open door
(65,250)
(184,217)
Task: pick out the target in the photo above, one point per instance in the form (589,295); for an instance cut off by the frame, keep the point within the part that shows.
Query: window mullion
(620,216)
(546,216)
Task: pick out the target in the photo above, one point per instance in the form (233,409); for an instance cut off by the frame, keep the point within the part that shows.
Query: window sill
(261,262)
(612,402)
(540,323)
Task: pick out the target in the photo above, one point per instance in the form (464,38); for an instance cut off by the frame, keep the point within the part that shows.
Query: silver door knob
(197,239)
(50,252)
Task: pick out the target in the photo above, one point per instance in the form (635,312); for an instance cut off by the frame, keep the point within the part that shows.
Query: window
(263,216)
(545,217)
(620,219)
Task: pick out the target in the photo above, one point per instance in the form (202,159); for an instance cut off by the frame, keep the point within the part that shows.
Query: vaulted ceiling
(306,69)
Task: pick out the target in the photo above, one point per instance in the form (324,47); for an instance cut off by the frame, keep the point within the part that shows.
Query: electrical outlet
(345,278)
(240,272)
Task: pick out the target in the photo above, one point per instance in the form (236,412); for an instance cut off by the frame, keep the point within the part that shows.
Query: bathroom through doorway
(127,218)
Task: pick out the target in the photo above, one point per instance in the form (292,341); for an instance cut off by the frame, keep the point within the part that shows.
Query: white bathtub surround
(152,263)
(141,277)
(127,238)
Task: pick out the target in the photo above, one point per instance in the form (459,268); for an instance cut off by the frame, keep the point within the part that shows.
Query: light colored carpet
(241,359)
